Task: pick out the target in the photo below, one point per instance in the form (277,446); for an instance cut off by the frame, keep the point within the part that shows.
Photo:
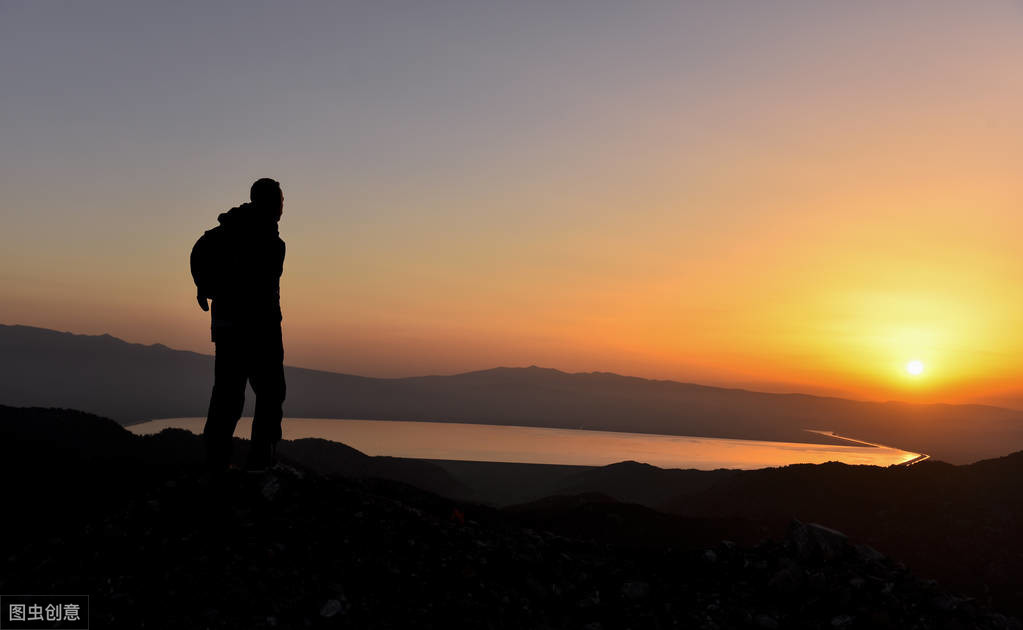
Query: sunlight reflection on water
(535,445)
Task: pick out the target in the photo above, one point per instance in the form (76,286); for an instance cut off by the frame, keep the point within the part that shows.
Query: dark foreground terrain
(131,521)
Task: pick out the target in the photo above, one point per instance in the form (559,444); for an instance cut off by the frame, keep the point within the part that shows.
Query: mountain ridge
(534,369)
(135,382)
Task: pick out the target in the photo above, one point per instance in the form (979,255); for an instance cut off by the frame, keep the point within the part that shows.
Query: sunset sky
(791,196)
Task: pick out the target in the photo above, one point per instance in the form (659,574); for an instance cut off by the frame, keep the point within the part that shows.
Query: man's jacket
(238,264)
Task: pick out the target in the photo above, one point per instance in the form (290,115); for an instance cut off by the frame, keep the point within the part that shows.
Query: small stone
(766,621)
(330,608)
(271,488)
(786,581)
(944,603)
(635,590)
(593,599)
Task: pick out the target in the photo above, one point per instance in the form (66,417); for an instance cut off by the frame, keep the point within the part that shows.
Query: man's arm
(201,263)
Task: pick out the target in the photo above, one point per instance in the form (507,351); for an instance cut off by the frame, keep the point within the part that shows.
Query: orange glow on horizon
(779,208)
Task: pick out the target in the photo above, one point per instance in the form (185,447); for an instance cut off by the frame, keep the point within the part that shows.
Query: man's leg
(226,402)
(268,384)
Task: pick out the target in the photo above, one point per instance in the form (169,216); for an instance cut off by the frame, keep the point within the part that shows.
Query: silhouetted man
(238,266)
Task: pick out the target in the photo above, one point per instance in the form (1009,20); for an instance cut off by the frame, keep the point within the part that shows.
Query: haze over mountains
(132,383)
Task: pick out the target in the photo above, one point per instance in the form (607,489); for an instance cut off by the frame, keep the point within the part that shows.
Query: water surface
(534,445)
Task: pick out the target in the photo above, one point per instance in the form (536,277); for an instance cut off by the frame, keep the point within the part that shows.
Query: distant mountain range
(132,383)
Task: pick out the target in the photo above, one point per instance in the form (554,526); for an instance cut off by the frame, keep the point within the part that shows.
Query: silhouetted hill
(101,374)
(169,548)
(131,382)
(334,458)
(502,484)
(958,524)
(596,516)
(642,483)
(74,450)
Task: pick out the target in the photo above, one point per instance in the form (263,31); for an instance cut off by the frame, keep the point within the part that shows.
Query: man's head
(266,193)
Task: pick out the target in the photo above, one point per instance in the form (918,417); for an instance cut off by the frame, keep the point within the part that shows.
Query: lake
(534,445)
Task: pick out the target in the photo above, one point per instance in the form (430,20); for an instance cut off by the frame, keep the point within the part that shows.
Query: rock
(590,600)
(330,608)
(868,554)
(817,582)
(788,581)
(271,488)
(635,590)
(944,602)
(841,621)
(710,556)
(536,588)
(766,621)
(813,542)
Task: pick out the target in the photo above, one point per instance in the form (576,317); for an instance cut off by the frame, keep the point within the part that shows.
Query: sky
(788,196)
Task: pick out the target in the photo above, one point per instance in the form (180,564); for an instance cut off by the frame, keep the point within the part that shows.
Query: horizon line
(537,367)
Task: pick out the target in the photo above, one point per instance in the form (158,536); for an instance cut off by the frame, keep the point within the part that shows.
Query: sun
(916,368)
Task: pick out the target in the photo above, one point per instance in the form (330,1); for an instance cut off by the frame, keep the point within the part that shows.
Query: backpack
(205,262)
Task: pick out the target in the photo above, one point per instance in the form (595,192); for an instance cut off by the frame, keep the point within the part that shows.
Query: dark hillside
(157,545)
(958,524)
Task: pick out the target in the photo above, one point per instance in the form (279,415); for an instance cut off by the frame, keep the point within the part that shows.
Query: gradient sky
(782,195)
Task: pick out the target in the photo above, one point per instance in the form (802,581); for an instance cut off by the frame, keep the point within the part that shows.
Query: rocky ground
(294,549)
(133,522)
